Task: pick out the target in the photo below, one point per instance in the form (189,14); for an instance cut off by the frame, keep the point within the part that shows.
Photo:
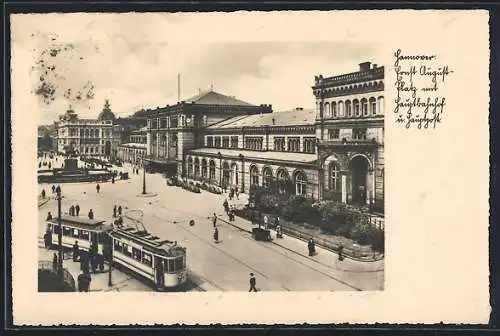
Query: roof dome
(106,113)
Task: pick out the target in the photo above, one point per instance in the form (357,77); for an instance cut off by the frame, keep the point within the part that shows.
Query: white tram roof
(82,223)
(149,242)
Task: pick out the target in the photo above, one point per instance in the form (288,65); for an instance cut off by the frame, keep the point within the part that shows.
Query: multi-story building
(175,130)
(86,137)
(135,149)
(350,130)
(123,128)
(333,152)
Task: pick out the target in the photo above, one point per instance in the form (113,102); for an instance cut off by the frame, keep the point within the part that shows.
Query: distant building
(45,140)
(86,137)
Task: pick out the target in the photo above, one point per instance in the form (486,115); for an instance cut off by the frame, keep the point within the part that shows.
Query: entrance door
(159,272)
(358,169)
(234,174)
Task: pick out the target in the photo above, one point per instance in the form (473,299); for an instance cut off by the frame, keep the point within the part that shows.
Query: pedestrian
(341,249)
(50,165)
(49,216)
(77,209)
(53,189)
(97,187)
(40,165)
(55,262)
(91,214)
(226,206)
(47,238)
(216,235)
(43,193)
(310,246)
(76,250)
(72,210)
(279,234)
(253,282)
(112,179)
(214,220)
(265,221)
(58,190)
(114,211)
(119,210)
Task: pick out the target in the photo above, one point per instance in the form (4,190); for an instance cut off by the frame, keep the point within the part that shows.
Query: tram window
(49,227)
(169,265)
(84,235)
(75,233)
(118,246)
(136,253)
(178,263)
(146,259)
(66,231)
(127,250)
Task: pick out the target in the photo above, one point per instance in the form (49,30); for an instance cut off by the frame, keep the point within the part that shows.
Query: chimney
(364,66)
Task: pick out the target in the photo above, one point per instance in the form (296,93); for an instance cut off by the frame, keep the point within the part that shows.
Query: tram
(161,262)
(91,235)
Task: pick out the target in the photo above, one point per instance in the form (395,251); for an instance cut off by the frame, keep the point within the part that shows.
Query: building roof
(269,155)
(293,117)
(106,113)
(211,97)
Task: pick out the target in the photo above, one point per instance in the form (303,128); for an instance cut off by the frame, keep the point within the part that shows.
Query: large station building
(335,151)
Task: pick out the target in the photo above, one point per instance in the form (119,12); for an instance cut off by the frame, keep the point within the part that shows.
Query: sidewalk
(121,282)
(325,257)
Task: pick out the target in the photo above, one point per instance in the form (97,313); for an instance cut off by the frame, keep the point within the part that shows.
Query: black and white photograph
(189,155)
(199,189)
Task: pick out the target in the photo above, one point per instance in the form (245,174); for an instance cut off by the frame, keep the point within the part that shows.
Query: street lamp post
(110,257)
(143,177)
(59,236)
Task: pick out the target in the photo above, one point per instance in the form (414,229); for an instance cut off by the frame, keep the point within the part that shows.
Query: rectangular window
(334,133)
(127,250)
(217,142)
(254,143)
(136,253)
(234,142)
(279,144)
(178,263)
(294,144)
(118,246)
(225,142)
(75,233)
(359,134)
(147,259)
(210,141)
(67,231)
(169,265)
(309,145)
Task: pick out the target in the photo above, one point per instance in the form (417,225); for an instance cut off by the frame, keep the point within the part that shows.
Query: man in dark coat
(77,209)
(58,189)
(253,282)
(76,250)
(43,193)
(119,210)
(216,235)
(49,216)
(91,214)
(310,245)
(55,262)
(214,220)
(97,187)
(53,189)
(72,210)
(114,211)
(47,238)
(226,206)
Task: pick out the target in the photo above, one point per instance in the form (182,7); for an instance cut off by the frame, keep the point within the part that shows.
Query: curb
(345,256)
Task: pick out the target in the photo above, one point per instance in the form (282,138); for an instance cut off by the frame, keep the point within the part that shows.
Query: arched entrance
(358,172)
(234,174)
(225,174)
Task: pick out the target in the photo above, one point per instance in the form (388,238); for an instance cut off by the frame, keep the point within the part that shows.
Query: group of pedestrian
(234,192)
(135,171)
(117,211)
(229,210)
(74,210)
(56,190)
(45,164)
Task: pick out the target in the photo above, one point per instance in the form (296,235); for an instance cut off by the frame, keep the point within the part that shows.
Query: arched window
(254,175)
(211,170)
(355,104)
(225,174)
(334,110)
(96,133)
(381,106)
(196,167)
(283,180)
(326,110)
(373,106)
(204,168)
(335,182)
(300,183)
(348,108)
(190,167)
(91,133)
(321,111)
(340,107)
(364,107)
(267,176)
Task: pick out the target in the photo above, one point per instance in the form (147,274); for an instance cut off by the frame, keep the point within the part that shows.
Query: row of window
(357,134)
(282,175)
(357,108)
(76,233)
(87,133)
(291,144)
(170,265)
(138,139)
(174,121)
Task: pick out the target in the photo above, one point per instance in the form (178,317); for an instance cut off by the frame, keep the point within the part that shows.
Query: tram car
(160,262)
(91,235)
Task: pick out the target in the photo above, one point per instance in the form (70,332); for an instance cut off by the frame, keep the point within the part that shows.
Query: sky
(130,62)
